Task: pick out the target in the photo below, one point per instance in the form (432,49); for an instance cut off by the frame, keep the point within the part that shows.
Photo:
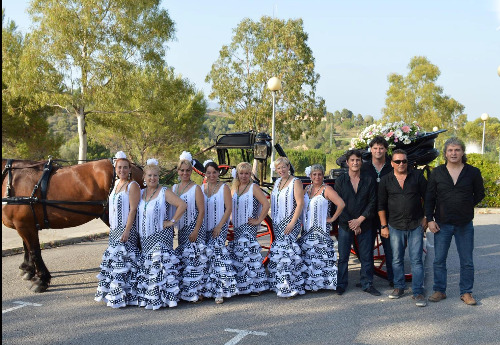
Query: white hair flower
(119,155)
(308,171)
(233,173)
(273,168)
(206,162)
(185,155)
(151,161)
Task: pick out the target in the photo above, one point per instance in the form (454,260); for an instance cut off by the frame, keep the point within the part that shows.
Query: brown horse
(71,196)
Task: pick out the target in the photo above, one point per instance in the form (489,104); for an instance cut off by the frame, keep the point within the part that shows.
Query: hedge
(490,171)
(301,159)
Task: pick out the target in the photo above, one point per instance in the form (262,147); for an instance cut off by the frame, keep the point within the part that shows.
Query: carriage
(37,195)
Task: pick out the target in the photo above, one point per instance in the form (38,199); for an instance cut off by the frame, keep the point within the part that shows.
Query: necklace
(116,193)
(209,195)
(184,189)
(279,186)
(240,194)
(145,197)
(378,171)
(310,191)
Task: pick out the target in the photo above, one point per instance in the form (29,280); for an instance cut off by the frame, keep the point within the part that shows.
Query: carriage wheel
(379,262)
(265,237)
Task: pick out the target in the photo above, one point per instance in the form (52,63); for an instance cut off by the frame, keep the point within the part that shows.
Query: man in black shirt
(358,192)
(378,167)
(453,190)
(400,194)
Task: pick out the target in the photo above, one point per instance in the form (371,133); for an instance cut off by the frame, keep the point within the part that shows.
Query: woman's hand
(288,229)
(216,231)
(193,236)
(125,236)
(167,224)
(253,221)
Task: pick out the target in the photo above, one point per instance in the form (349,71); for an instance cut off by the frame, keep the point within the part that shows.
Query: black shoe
(372,291)
(339,291)
(391,284)
(358,285)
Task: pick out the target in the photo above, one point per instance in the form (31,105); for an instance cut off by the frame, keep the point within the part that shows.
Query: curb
(486,210)
(57,243)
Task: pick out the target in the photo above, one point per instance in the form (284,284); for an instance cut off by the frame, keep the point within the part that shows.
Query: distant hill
(212,112)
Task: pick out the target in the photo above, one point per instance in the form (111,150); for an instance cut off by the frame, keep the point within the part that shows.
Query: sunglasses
(398,161)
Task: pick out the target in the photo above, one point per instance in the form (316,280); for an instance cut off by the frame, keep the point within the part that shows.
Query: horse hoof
(28,276)
(41,288)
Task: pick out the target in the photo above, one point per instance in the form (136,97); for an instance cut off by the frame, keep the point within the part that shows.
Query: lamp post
(435,129)
(484,117)
(273,84)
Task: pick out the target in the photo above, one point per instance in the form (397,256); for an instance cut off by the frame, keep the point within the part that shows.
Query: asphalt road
(67,313)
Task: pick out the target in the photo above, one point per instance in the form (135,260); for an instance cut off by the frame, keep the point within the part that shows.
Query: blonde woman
(317,247)
(119,267)
(220,282)
(285,256)
(191,250)
(158,284)
(250,207)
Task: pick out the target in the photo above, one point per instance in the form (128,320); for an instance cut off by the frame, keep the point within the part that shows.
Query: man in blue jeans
(400,194)
(358,192)
(454,189)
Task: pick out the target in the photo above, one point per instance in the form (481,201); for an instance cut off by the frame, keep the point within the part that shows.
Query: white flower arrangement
(233,173)
(308,171)
(152,161)
(206,162)
(396,132)
(272,167)
(119,155)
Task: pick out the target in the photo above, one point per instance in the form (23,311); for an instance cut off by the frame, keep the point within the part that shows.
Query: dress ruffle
(118,276)
(192,269)
(247,260)
(286,267)
(220,280)
(158,284)
(320,259)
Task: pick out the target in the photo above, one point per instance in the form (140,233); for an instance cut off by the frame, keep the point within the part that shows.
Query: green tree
(24,120)
(170,120)
(94,43)
(417,97)
(259,51)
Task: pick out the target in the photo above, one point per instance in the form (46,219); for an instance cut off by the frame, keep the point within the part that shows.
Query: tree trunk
(82,136)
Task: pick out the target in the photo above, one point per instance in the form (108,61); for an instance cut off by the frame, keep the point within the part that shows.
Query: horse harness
(43,185)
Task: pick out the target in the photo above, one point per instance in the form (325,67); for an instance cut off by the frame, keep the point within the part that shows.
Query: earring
(144,183)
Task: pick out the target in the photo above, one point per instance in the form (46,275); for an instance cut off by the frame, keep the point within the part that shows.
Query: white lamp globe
(434,129)
(484,116)
(274,84)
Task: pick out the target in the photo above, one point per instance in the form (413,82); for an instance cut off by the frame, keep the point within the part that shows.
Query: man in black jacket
(358,192)
(454,189)
(400,195)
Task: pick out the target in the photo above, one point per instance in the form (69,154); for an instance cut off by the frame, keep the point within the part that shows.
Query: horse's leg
(42,275)
(27,267)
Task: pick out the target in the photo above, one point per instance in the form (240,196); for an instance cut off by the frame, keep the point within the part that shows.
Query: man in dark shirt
(453,190)
(378,167)
(400,194)
(358,193)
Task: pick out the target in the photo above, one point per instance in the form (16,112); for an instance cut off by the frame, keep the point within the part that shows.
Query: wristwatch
(173,220)
(383,227)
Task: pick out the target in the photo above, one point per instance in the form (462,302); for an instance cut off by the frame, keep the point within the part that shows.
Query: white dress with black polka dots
(244,249)
(192,255)
(286,266)
(317,246)
(119,267)
(158,284)
(221,278)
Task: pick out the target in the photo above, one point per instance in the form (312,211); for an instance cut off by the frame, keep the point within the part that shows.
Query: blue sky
(356,44)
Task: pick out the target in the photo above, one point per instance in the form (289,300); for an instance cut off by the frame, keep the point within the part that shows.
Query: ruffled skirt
(117,284)
(321,260)
(247,260)
(158,284)
(192,269)
(220,280)
(286,266)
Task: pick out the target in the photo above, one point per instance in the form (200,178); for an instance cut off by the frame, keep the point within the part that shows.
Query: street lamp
(435,129)
(273,84)
(484,117)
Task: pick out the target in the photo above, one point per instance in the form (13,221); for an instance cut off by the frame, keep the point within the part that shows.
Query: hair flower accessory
(151,161)
(308,171)
(233,173)
(119,155)
(185,155)
(206,162)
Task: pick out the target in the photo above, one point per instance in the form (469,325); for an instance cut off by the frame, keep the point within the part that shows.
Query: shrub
(302,159)
(490,172)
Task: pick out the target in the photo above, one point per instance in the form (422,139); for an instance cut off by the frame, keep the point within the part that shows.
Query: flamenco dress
(317,247)
(119,267)
(244,249)
(158,285)
(192,255)
(286,266)
(220,280)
